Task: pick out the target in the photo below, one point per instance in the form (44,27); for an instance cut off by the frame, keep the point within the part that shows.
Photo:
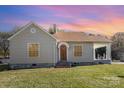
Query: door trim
(67,47)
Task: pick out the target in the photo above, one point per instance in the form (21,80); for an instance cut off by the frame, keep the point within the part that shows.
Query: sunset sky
(105,20)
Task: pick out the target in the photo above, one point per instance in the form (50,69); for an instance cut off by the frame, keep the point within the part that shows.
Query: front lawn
(82,76)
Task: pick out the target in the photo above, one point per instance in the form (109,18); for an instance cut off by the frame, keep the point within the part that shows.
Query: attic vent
(33,30)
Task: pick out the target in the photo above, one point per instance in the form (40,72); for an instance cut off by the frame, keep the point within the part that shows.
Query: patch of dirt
(111,78)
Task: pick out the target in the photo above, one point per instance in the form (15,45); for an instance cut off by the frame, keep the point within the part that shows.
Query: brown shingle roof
(79,37)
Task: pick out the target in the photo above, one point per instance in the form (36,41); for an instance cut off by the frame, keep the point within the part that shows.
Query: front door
(63,53)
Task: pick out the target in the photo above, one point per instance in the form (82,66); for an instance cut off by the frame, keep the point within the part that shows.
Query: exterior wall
(87,52)
(18,47)
(57,54)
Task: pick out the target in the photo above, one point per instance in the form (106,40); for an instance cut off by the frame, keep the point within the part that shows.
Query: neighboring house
(119,53)
(33,46)
(118,46)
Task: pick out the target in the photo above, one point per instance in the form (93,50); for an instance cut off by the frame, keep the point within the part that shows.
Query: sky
(102,19)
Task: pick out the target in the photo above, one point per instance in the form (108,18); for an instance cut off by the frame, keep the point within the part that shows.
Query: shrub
(4,67)
(75,64)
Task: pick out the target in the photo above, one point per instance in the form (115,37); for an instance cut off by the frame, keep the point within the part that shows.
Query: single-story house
(33,46)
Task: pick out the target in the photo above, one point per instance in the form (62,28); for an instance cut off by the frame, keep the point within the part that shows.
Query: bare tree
(4,43)
(118,40)
(117,45)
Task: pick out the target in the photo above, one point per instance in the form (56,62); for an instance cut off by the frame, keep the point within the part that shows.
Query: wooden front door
(63,53)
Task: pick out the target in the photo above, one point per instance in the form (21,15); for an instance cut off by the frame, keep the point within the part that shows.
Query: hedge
(4,67)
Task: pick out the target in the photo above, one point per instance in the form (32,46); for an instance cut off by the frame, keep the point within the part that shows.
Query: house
(33,46)
(118,46)
(118,54)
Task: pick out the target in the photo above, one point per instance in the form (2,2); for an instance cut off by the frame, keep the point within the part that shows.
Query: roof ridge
(71,31)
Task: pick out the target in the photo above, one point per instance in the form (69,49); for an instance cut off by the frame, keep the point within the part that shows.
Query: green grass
(77,77)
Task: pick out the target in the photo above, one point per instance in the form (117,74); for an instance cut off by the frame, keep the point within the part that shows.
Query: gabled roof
(79,37)
(27,25)
(66,36)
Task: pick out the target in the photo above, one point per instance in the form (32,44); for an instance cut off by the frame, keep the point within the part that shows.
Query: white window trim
(28,50)
(74,49)
(101,59)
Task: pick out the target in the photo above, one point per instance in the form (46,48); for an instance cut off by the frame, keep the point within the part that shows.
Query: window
(78,50)
(33,50)
(100,53)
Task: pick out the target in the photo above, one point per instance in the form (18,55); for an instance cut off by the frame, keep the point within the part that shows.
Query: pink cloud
(77,10)
(64,15)
(62,9)
(105,27)
(14,21)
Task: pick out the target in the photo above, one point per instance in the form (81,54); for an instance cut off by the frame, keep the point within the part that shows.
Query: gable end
(26,26)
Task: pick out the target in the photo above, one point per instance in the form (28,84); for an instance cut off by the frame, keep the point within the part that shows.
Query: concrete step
(63,65)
